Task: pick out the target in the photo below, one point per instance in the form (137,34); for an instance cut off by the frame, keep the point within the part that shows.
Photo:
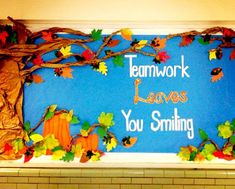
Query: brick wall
(115,178)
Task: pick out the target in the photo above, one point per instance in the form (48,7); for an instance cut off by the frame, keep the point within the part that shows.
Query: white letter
(155,119)
(184,68)
(127,118)
(190,128)
(132,74)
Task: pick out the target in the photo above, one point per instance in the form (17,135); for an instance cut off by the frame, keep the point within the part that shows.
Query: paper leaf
(232,55)
(36,138)
(39,150)
(102,68)
(118,61)
(27,126)
(212,54)
(184,153)
(47,36)
(66,51)
(18,145)
(84,133)
(128,142)
(96,34)
(126,34)
(186,40)
(113,43)
(87,54)
(74,120)
(111,145)
(85,126)
(8,147)
(84,158)
(69,156)
(201,41)
(37,79)
(48,115)
(58,154)
(77,150)
(52,108)
(225,130)
(102,132)
(203,135)
(158,43)
(95,156)
(106,119)
(37,60)
(141,44)
(28,155)
(67,72)
(50,142)
(3,37)
(232,139)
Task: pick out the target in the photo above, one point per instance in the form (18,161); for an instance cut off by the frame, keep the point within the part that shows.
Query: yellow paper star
(212,54)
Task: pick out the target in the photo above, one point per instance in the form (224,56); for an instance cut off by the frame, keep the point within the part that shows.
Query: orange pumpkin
(60,128)
(89,143)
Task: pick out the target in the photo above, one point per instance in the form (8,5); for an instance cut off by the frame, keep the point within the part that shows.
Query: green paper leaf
(69,156)
(232,139)
(118,61)
(13,38)
(57,148)
(233,125)
(27,126)
(49,115)
(106,119)
(96,34)
(74,120)
(85,126)
(225,130)
(39,150)
(192,156)
(209,148)
(201,41)
(101,132)
(203,135)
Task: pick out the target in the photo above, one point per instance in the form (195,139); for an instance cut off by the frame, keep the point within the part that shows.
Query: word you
(173,124)
(156,71)
(159,97)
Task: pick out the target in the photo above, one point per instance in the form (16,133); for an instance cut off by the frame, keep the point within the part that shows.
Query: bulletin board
(87,94)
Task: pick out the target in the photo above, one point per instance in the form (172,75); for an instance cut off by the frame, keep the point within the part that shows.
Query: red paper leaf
(113,42)
(3,37)
(67,72)
(38,60)
(163,56)
(47,36)
(37,78)
(228,32)
(28,155)
(232,55)
(87,54)
(186,40)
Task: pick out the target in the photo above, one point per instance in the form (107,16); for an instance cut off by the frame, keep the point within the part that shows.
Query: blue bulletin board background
(89,93)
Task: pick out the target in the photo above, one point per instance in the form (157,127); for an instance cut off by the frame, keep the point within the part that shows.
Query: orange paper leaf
(67,72)
(126,34)
(47,36)
(113,43)
(37,78)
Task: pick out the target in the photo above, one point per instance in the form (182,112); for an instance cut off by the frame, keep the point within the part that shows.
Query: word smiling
(156,71)
(173,124)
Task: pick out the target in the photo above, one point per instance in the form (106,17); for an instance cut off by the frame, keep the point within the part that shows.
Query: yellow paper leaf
(66,51)
(112,144)
(36,138)
(68,116)
(84,133)
(26,136)
(102,68)
(95,156)
(126,34)
(50,142)
(212,54)
(141,44)
(58,154)
(52,108)
(77,149)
